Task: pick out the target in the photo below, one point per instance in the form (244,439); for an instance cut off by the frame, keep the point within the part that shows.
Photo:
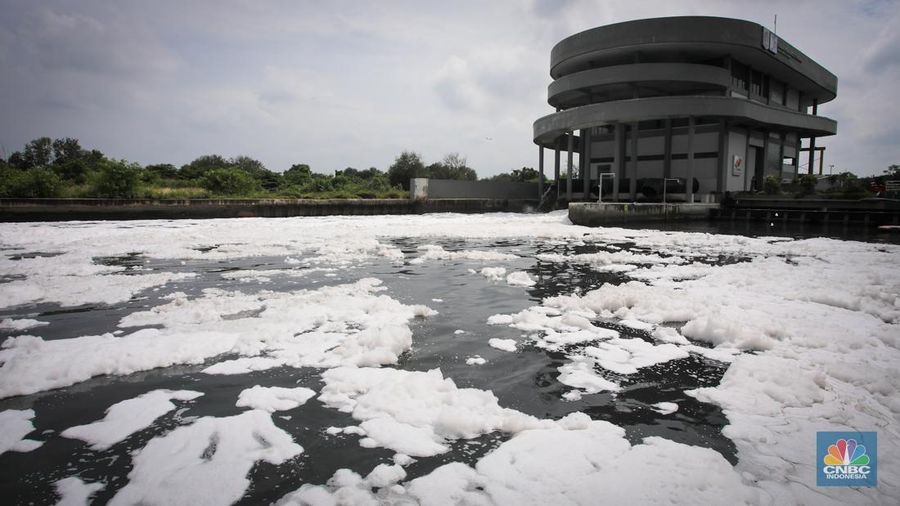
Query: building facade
(719,102)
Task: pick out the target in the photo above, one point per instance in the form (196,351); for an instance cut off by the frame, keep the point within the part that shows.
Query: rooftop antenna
(775,29)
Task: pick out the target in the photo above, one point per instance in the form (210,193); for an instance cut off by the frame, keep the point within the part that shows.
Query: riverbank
(23,210)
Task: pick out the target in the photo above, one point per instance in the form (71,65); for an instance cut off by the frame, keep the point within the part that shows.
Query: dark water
(526,380)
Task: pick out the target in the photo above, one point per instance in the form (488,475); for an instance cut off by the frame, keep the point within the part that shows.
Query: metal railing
(600,187)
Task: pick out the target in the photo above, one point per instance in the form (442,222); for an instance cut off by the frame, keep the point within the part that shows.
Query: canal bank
(593,214)
(17,210)
(864,213)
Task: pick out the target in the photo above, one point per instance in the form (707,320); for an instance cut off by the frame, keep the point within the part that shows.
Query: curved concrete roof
(692,34)
(550,127)
(566,87)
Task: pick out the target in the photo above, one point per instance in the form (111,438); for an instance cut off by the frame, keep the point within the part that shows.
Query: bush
(33,183)
(74,170)
(771,185)
(808,184)
(116,179)
(229,181)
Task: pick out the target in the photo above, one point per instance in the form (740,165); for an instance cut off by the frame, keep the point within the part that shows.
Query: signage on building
(769,41)
(737,166)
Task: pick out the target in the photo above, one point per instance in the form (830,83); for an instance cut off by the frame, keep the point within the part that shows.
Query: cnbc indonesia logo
(845,460)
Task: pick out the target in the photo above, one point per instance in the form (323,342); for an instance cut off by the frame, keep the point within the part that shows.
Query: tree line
(52,168)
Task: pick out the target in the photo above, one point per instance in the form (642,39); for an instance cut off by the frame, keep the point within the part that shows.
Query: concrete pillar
(618,159)
(667,154)
(781,138)
(722,168)
(571,148)
(540,173)
(690,161)
(556,168)
(632,173)
(585,162)
(812,140)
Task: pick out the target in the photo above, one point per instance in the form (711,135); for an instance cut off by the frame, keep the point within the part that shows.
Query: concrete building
(721,102)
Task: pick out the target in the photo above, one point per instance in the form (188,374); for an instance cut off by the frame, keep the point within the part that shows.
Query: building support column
(667,156)
(722,169)
(632,173)
(556,168)
(585,162)
(571,148)
(690,161)
(540,173)
(781,138)
(747,186)
(812,141)
(618,160)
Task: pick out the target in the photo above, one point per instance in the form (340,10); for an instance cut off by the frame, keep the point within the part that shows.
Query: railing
(600,186)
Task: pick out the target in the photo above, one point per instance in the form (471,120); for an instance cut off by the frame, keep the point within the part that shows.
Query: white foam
(15,424)
(494,273)
(503,344)
(580,374)
(206,462)
(20,324)
(627,356)
(339,325)
(435,252)
(520,278)
(273,399)
(665,408)
(476,360)
(127,417)
(417,413)
(578,466)
(74,492)
(574,462)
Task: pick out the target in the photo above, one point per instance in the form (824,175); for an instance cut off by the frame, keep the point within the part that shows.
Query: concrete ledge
(139,209)
(592,214)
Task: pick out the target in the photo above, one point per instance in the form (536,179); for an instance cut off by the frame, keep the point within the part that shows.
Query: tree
(35,183)
(201,165)
(229,181)
(406,166)
(163,170)
(892,172)
(299,174)
(74,170)
(267,179)
(523,175)
(117,179)
(66,150)
(37,153)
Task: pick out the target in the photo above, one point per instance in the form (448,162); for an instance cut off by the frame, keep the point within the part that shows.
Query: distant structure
(720,102)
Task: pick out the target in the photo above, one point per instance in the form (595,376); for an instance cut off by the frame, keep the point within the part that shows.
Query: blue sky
(338,84)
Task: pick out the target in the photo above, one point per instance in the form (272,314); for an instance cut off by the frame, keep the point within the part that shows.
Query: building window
(756,83)
(738,75)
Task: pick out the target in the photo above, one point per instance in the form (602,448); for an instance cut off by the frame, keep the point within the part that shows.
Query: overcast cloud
(337,84)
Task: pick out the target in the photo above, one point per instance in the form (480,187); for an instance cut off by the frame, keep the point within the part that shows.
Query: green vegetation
(409,165)
(61,168)
(772,185)
(523,175)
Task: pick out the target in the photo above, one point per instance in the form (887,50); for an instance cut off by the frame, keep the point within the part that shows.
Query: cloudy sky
(337,84)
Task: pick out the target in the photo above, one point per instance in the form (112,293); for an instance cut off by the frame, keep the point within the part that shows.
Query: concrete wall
(421,188)
(137,209)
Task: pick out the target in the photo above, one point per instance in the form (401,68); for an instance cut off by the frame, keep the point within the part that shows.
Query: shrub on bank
(771,185)
(116,179)
(33,183)
(229,181)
